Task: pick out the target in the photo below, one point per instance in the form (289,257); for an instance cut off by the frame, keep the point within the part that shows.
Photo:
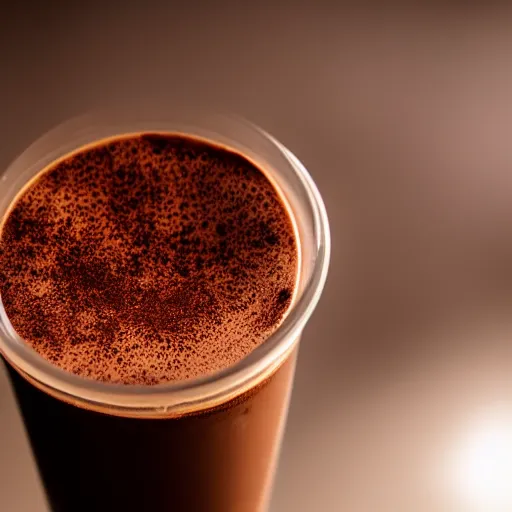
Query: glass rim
(186,395)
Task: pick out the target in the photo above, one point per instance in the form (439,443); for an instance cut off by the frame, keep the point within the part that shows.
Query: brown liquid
(214,461)
(147,259)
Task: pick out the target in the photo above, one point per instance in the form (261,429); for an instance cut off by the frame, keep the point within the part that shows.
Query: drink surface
(147,258)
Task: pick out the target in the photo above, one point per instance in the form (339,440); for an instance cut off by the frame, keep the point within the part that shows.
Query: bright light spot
(483,465)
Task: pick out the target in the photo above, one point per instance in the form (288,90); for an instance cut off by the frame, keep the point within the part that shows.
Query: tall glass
(205,444)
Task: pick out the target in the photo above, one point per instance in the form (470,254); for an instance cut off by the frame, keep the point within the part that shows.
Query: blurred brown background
(404,119)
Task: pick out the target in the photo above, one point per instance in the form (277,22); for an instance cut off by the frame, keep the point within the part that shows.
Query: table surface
(403,119)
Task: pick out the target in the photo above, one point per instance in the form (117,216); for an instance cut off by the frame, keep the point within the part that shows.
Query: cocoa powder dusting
(147,259)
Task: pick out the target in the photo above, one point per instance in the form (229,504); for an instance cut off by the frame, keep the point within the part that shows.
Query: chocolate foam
(146,259)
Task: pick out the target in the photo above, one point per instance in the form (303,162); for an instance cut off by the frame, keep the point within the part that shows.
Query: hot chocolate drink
(146,259)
